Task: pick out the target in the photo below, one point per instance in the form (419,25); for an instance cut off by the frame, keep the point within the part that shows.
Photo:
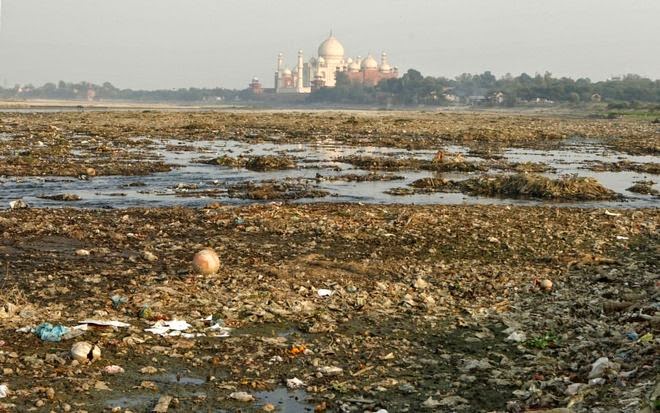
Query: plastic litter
(168,328)
(163,404)
(49,332)
(294,383)
(322,292)
(517,336)
(632,336)
(4,391)
(601,366)
(113,369)
(118,301)
(646,338)
(430,403)
(18,204)
(331,370)
(242,396)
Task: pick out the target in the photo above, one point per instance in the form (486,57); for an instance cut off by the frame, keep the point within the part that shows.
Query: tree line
(411,89)
(415,89)
(88,91)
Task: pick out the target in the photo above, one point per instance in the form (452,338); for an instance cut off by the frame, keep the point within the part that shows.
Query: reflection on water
(161,189)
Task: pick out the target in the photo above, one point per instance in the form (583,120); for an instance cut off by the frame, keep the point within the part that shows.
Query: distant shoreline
(100,105)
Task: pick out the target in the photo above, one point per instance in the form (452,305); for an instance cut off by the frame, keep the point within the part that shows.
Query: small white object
(4,391)
(150,256)
(420,283)
(621,237)
(431,403)
(82,253)
(331,370)
(322,292)
(220,331)
(599,367)
(168,328)
(573,388)
(294,383)
(517,336)
(612,214)
(18,204)
(113,369)
(242,396)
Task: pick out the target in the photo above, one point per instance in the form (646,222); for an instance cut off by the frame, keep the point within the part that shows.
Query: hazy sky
(179,43)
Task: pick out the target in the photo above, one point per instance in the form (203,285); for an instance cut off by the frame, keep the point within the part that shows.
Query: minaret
(278,74)
(383,58)
(299,81)
(280,61)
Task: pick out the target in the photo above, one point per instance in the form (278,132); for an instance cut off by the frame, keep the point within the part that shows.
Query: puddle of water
(160,189)
(269,330)
(132,402)
(285,400)
(182,380)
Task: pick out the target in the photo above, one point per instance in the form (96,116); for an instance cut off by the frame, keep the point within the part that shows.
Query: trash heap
(330,307)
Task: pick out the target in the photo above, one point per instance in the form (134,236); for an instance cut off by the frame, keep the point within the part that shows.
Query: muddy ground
(433,308)
(326,307)
(113,143)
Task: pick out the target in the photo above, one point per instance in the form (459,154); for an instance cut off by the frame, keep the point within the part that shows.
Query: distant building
(596,97)
(91,93)
(476,100)
(496,98)
(256,87)
(321,71)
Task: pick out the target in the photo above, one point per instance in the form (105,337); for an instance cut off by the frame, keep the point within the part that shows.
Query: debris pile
(537,186)
(644,188)
(354,307)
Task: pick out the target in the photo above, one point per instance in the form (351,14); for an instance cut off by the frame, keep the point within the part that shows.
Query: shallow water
(292,401)
(172,188)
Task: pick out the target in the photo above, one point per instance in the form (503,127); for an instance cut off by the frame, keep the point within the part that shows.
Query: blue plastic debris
(118,301)
(632,336)
(49,332)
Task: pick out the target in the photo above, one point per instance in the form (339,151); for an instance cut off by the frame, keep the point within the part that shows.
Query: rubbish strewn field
(327,307)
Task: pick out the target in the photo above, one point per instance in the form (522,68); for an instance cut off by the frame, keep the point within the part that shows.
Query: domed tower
(331,51)
(369,63)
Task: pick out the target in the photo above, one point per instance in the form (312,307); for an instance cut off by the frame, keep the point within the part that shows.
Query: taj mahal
(321,71)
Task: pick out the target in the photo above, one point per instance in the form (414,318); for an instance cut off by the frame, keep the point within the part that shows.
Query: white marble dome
(385,68)
(354,67)
(369,63)
(331,48)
